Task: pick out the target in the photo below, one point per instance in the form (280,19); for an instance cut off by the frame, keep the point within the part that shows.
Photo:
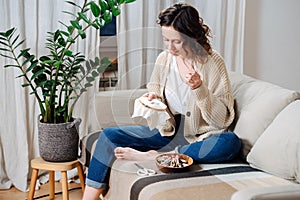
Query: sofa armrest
(114,108)
(286,192)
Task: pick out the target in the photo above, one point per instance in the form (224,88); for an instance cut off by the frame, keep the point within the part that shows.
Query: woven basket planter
(59,142)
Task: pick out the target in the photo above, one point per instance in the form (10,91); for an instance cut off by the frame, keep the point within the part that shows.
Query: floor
(75,193)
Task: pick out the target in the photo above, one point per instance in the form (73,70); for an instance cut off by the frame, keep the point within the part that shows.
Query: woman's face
(173,41)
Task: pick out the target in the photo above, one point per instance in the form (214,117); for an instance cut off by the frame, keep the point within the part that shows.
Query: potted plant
(59,79)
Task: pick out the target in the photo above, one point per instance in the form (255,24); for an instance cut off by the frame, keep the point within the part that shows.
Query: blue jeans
(216,148)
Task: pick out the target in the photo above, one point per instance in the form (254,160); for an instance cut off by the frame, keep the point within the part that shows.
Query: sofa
(268,123)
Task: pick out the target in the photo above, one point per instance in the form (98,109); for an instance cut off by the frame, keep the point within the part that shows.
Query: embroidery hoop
(154,104)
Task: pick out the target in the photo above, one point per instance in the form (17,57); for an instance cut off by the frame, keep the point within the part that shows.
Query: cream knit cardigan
(210,107)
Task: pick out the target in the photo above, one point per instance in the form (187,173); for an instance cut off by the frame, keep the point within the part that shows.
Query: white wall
(272,41)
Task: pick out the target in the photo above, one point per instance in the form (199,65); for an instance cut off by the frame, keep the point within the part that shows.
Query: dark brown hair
(186,20)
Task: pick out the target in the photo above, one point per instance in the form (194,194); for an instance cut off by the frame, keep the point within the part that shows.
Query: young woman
(191,79)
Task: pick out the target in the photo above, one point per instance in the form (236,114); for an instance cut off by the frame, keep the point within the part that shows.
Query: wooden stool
(39,163)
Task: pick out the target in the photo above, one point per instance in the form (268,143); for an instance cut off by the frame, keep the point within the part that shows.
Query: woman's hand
(150,95)
(193,79)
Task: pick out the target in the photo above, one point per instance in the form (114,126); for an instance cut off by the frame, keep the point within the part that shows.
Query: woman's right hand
(150,95)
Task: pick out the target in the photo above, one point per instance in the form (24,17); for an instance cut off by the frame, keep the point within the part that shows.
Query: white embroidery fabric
(155,118)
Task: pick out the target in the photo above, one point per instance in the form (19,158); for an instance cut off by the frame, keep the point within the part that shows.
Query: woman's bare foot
(91,193)
(127,153)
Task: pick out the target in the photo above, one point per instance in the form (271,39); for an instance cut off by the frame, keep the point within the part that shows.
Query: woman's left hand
(193,79)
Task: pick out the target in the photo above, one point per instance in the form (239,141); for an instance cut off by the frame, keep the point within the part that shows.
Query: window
(109,29)
(108,48)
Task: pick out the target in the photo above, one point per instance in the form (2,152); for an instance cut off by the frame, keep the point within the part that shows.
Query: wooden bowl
(173,162)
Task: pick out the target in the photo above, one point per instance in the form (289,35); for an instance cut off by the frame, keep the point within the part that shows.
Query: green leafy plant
(59,79)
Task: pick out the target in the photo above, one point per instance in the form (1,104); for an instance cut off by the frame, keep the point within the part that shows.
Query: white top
(177,92)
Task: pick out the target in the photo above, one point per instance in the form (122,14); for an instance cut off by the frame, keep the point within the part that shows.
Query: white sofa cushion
(277,150)
(257,104)
(282,192)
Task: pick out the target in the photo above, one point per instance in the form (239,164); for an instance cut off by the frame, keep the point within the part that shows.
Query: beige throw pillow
(277,150)
(257,104)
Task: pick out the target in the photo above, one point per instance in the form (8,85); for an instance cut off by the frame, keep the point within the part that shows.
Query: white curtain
(18,109)
(140,41)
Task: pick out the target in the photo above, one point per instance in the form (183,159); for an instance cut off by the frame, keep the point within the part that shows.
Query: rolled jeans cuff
(95,184)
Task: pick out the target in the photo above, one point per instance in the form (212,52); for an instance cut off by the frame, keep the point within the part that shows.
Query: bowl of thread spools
(173,162)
